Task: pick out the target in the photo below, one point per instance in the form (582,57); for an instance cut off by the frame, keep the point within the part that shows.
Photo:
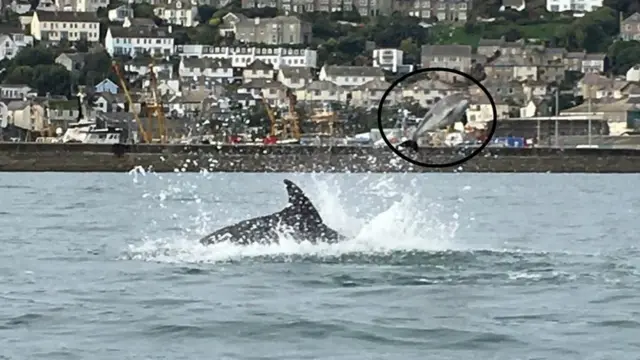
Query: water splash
(398,220)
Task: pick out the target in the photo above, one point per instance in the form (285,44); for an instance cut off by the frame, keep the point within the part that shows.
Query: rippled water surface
(439,266)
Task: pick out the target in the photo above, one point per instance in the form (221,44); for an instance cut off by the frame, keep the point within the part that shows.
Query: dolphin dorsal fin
(301,203)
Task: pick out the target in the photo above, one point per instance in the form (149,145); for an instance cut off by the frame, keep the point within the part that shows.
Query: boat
(88,132)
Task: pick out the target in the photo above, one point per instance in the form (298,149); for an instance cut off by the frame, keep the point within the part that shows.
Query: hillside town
(231,74)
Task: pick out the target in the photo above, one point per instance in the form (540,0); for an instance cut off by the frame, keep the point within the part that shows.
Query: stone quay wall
(295,158)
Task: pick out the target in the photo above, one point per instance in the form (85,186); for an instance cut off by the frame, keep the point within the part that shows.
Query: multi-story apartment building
(243,56)
(177,12)
(456,57)
(138,40)
(70,25)
(273,31)
(81,5)
(364,7)
(573,5)
(388,59)
(443,10)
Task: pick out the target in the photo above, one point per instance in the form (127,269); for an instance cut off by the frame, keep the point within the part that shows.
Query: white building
(22,7)
(349,76)
(120,13)
(177,12)
(138,40)
(11,43)
(217,69)
(243,56)
(633,74)
(73,26)
(81,5)
(17,91)
(573,5)
(388,59)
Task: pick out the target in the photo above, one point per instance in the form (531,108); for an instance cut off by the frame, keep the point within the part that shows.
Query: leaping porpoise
(299,218)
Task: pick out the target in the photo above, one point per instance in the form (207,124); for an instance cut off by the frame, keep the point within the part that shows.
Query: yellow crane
(154,105)
(145,136)
(271,115)
(271,139)
(289,122)
(291,118)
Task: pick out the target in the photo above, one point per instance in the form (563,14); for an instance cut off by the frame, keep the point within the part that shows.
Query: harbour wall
(295,158)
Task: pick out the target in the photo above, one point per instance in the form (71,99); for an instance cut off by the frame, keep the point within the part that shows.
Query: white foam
(409,223)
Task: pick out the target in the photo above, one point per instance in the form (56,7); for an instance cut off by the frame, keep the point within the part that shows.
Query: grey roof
(262,84)
(14,86)
(634,18)
(138,32)
(512,3)
(76,57)
(491,42)
(595,56)
(10,29)
(555,51)
(17,105)
(142,22)
(375,84)
(364,71)
(258,64)
(67,16)
(295,73)
(283,19)
(446,50)
(322,86)
(513,60)
(634,90)
(203,63)
(145,61)
(575,55)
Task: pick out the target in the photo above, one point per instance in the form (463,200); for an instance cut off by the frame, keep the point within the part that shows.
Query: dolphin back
(300,216)
(300,203)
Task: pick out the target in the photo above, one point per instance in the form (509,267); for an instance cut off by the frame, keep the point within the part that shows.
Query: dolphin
(443,114)
(299,218)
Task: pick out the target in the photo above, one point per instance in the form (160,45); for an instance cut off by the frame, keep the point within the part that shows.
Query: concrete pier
(294,158)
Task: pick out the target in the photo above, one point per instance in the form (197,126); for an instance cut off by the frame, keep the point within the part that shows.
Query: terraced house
(54,26)
(138,40)
(81,5)
(363,7)
(177,12)
(272,31)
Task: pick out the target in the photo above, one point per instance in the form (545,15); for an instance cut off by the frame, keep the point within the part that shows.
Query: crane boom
(156,107)
(145,136)
(272,117)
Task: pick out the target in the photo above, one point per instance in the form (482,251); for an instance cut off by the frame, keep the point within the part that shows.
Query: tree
(97,67)
(54,79)
(32,56)
(411,51)
(624,55)
(143,10)
(205,13)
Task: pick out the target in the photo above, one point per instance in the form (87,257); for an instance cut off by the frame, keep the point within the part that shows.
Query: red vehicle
(235,139)
(270,140)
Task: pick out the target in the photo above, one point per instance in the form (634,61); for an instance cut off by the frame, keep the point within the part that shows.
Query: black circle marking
(485,143)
